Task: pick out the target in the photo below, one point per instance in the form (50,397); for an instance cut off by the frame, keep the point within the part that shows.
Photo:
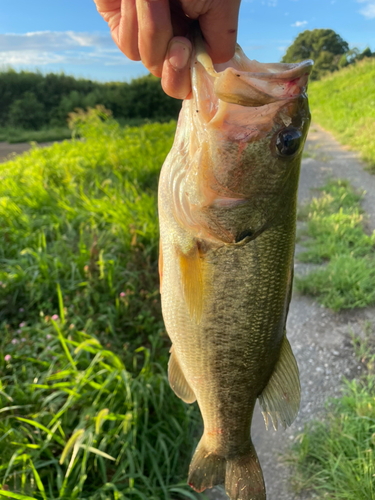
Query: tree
(324,46)
(27,112)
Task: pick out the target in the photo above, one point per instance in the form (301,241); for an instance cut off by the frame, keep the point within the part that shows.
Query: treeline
(34,101)
(329,51)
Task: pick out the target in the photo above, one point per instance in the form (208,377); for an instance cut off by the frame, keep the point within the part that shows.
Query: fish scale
(227,210)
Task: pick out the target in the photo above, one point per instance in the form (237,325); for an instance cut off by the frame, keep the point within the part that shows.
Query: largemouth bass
(227,210)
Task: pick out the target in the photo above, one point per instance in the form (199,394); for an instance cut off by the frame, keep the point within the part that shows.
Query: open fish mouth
(244,81)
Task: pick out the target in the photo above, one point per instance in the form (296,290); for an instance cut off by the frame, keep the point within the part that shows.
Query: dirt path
(320,338)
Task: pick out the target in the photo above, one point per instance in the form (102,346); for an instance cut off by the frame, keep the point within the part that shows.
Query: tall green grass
(86,410)
(344,103)
(335,236)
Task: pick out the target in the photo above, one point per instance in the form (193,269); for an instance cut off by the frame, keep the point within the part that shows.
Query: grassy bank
(86,410)
(334,236)
(335,458)
(344,104)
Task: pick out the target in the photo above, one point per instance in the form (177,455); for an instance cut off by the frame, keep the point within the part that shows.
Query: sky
(70,35)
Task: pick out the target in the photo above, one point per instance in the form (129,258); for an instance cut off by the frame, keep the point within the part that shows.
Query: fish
(227,203)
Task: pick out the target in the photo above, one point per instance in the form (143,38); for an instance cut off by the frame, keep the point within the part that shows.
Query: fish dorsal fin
(281,397)
(177,380)
(192,281)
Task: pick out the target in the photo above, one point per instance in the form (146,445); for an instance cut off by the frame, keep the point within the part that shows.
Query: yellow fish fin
(177,380)
(281,397)
(192,281)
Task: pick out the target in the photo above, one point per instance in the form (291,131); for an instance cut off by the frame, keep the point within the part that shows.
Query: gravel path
(320,338)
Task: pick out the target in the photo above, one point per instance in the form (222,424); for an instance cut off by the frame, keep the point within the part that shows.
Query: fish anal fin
(177,380)
(281,397)
(192,281)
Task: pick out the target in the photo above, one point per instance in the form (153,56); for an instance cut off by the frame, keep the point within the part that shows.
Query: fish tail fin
(244,477)
(206,468)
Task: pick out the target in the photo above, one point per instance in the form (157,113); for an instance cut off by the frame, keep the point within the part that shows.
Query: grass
(335,236)
(335,458)
(14,135)
(344,103)
(86,410)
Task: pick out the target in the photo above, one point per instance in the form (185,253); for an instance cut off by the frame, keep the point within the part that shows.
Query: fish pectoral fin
(177,380)
(281,397)
(192,281)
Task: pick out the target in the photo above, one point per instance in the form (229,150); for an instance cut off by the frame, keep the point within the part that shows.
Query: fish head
(245,126)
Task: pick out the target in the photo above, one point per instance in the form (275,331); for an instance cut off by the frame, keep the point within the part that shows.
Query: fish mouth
(245,82)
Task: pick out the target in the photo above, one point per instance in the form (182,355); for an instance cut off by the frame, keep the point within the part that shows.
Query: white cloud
(298,24)
(369,9)
(52,47)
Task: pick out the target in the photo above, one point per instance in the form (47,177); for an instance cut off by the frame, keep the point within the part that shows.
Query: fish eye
(288,141)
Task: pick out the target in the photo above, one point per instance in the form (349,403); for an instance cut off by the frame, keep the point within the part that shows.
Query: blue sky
(70,36)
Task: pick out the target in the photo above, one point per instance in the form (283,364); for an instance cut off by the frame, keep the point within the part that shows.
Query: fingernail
(179,55)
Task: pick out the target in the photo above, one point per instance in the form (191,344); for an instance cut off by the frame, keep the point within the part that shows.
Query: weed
(335,458)
(86,409)
(335,235)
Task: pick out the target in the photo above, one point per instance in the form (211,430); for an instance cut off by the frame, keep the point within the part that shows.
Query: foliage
(77,423)
(344,103)
(335,234)
(335,458)
(49,99)
(26,112)
(83,348)
(323,46)
(48,134)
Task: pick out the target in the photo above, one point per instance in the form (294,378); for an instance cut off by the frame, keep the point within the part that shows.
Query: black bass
(227,209)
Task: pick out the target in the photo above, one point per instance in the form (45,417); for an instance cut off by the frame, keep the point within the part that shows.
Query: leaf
(69,445)
(100,417)
(9,494)
(42,427)
(38,481)
(98,452)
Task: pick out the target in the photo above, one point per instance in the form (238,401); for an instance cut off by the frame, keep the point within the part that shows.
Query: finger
(121,16)
(128,30)
(219,27)
(176,68)
(154,33)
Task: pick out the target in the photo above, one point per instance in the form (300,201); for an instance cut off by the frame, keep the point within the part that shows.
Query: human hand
(154,31)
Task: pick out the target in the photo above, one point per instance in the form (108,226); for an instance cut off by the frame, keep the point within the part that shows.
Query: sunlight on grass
(335,235)
(86,409)
(344,103)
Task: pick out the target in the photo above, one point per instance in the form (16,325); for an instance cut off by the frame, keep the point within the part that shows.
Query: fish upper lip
(250,83)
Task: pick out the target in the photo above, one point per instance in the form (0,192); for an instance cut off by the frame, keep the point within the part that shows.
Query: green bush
(26,112)
(32,100)
(86,407)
